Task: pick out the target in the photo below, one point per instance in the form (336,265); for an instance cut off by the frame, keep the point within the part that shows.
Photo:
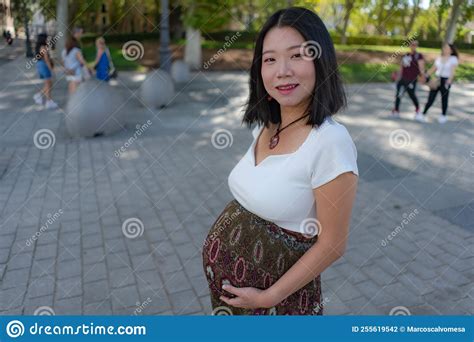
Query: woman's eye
(297,55)
(269,59)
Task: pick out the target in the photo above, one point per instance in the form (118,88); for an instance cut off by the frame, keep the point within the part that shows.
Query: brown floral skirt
(244,250)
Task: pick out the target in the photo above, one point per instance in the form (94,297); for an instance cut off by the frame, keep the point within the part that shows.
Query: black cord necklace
(276,137)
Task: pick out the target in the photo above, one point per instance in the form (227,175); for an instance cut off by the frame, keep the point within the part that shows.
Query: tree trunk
(193,51)
(61,25)
(349,6)
(452,23)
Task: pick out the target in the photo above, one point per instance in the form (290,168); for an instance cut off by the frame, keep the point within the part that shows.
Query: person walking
(44,67)
(295,187)
(412,65)
(444,68)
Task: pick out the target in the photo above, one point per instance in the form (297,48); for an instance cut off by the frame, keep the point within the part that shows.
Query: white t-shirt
(280,188)
(444,69)
(71,62)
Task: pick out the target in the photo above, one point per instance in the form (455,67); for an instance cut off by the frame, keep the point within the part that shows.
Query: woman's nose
(284,69)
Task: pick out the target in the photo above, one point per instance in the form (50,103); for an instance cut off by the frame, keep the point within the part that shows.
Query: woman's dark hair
(454,51)
(328,95)
(71,43)
(41,40)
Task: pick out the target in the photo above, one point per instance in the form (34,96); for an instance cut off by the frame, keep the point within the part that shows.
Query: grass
(351,72)
(120,62)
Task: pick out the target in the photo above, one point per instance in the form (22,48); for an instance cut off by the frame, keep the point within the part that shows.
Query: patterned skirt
(244,250)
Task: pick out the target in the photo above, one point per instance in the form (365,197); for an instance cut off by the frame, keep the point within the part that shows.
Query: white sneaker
(38,97)
(442,119)
(50,104)
(420,117)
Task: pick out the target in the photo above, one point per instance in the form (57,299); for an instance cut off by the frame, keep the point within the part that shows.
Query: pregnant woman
(294,188)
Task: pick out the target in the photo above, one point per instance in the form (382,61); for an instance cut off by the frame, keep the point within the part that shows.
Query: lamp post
(165,52)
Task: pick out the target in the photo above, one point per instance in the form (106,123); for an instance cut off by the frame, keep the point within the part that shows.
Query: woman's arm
(80,58)
(453,70)
(432,69)
(334,202)
(100,51)
(46,59)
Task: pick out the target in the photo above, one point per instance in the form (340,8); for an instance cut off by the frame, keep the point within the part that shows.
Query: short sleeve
(454,61)
(335,155)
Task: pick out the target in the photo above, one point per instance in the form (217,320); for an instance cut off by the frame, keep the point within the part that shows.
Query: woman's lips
(286,88)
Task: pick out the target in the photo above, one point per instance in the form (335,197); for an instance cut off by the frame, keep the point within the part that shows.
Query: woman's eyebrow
(290,48)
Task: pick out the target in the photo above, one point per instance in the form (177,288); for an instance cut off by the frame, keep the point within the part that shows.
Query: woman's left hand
(248,297)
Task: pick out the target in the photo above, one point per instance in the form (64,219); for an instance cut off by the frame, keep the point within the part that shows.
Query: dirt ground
(241,59)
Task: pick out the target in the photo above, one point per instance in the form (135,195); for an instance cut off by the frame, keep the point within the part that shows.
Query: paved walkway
(62,247)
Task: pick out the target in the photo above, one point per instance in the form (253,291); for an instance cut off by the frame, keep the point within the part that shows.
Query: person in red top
(411,66)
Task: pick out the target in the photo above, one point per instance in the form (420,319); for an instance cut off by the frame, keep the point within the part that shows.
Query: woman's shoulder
(332,130)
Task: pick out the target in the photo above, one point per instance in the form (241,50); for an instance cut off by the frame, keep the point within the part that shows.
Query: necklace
(276,137)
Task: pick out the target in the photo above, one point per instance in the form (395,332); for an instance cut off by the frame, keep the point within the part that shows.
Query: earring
(269,98)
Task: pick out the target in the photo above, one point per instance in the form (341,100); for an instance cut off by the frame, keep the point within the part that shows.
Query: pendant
(274,141)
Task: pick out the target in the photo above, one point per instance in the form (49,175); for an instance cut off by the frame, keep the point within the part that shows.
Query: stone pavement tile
(185,303)
(100,308)
(118,260)
(149,280)
(333,305)
(44,267)
(169,264)
(68,306)
(200,285)
(206,304)
(157,301)
(138,246)
(96,292)
(45,252)
(377,274)
(404,295)
(32,304)
(40,287)
(93,255)
(18,261)
(15,278)
(176,282)
(121,277)
(70,287)
(163,248)
(346,291)
(70,268)
(12,298)
(115,245)
(124,297)
(194,267)
(94,272)
(415,284)
(143,262)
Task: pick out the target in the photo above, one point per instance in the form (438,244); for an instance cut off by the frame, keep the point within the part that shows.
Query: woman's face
(446,50)
(283,65)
